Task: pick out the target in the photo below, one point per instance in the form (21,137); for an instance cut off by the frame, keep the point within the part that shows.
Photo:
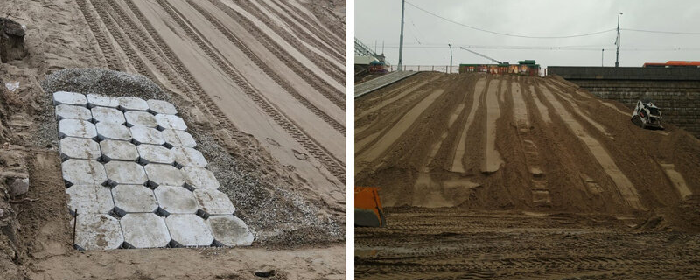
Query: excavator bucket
(368,208)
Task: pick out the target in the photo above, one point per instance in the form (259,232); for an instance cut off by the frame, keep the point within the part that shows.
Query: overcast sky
(380,20)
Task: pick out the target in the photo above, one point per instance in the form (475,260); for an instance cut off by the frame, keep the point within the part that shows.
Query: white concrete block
(178,138)
(145,230)
(125,173)
(108,115)
(83,172)
(161,107)
(189,230)
(132,104)
(101,100)
(134,199)
(199,178)
(70,98)
(113,131)
(155,154)
(65,111)
(176,200)
(146,135)
(118,150)
(89,199)
(189,157)
(140,118)
(170,122)
(98,232)
(214,202)
(164,175)
(76,128)
(78,148)
(229,230)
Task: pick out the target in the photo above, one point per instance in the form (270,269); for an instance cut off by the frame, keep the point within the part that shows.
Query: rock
(19,186)
(11,40)
(265,271)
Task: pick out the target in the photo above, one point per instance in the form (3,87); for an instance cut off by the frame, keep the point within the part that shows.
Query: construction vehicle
(647,115)
(368,208)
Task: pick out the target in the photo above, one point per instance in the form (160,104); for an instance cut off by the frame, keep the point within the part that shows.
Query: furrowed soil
(261,85)
(521,178)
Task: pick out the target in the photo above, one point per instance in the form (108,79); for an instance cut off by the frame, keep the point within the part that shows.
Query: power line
(547,48)
(661,32)
(507,34)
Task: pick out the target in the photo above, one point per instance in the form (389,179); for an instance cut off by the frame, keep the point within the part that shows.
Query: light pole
(401,38)
(602,59)
(450,58)
(617,42)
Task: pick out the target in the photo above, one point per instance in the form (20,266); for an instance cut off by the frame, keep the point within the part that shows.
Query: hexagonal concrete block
(188,230)
(118,150)
(89,199)
(108,115)
(125,173)
(78,148)
(178,138)
(83,172)
(70,98)
(229,230)
(65,111)
(214,202)
(76,128)
(132,104)
(155,154)
(176,200)
(97,232)
(146,135)
(144,230)
(164,175)
(199,178)
(161,107)
(113,131)
(185,156)
(170,122)
(140,118)
(134,199)
(101,100)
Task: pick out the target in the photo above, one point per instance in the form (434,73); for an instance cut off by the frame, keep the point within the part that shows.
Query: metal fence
(439,68)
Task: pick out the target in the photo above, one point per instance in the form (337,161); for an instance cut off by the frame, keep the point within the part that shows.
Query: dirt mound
(506,142)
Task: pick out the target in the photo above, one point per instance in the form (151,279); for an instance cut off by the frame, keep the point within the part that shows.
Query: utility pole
(450,57)
(602,59)
(401,39)
(617,42)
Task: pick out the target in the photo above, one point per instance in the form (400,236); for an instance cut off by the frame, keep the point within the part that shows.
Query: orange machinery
(368,208)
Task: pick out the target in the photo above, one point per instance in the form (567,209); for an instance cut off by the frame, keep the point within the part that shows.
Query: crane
(485,56)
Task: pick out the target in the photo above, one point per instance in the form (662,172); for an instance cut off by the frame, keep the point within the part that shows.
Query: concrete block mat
(108,115)
(65,111)
(125,173)
(70,98)
(164,175)
(78,148)
(133,199)
(140,118)
(176,200)
(89,199)
(185,156)
(132,104)
(146,135)
(161,107)
(214,202)
(229,230)
(101,100)
(83,172)
(76,128)
(188,230)
(144,230)
(155,154)
(199,178)
(118,150)
(113,131)
(97,232)
(170,122)
(178,138)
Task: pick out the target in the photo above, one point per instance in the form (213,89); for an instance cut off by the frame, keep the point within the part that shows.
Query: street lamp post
(401,38)
(617,42)
(602,59)
(450,58)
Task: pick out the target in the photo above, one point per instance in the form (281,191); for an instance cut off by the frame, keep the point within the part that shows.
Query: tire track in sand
(108,51)
(492,158)
(457,164)
(539,187)
(624,185)
(319,152)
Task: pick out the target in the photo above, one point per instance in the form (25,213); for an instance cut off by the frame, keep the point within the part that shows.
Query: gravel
(279,215)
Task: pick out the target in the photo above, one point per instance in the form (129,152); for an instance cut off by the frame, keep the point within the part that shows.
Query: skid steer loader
(647,115)
(368,208)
